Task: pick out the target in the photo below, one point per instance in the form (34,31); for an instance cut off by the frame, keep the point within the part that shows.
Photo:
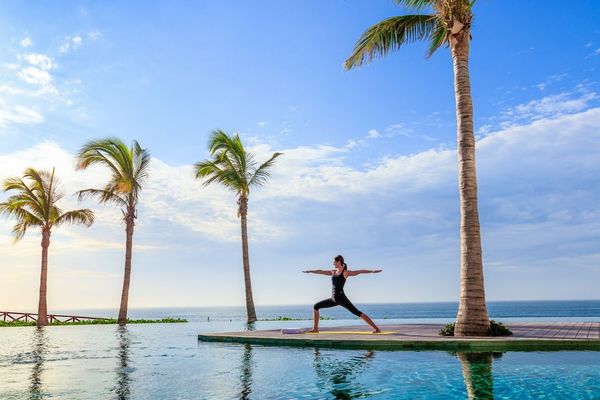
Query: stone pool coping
(526,337)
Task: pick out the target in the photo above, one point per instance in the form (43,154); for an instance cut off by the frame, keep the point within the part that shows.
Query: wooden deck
(526,336)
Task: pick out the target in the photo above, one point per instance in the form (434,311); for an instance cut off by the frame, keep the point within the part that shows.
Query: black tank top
(338,282)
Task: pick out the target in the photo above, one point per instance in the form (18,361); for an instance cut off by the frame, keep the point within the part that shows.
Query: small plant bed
(106,321)
(284,318)
(496,329)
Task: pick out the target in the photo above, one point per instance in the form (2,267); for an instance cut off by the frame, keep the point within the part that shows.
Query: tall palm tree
(233,167)
(128,167)
(34,206)
(448,23)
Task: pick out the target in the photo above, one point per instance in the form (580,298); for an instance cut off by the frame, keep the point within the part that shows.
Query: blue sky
(369,169)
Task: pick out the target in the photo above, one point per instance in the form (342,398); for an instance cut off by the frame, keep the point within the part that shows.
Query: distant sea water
(560,310)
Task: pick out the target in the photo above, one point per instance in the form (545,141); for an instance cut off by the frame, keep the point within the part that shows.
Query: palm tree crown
(128,166)
(232,166)
(34,204)
(449,17)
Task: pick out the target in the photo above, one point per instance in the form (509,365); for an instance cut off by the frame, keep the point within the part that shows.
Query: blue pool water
(165,361)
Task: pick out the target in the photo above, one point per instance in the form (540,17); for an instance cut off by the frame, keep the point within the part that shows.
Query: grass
(284,318)
(104,321)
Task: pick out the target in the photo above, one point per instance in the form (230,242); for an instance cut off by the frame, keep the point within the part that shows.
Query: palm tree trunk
(42,305)
(472,318)
(129,225)
(243,209)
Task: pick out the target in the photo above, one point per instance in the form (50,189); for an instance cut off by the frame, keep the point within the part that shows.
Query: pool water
(165,361)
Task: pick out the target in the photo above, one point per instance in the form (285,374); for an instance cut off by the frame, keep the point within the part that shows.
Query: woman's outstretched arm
(363,271)
(318,271)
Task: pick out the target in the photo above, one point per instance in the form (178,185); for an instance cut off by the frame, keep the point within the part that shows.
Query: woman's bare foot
(377,331)
(313,331)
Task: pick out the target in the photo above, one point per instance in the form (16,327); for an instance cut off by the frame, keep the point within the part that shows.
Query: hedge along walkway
(537,336)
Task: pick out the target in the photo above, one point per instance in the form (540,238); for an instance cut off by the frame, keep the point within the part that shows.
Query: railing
(10,316)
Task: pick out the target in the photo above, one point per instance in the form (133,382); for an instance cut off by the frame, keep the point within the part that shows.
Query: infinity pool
(167,362)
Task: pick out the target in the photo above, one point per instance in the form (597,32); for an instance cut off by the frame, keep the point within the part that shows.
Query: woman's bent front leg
(327,303)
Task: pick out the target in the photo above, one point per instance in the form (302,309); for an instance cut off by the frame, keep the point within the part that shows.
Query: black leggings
(338,300)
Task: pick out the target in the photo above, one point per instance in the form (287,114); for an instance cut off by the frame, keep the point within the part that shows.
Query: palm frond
(232,165)
(83,217)
(38,188)
(103,196)
(439,36)
(211,172)
(416,4)
(22,214)
(390,34)
(24,194)
(129,167)
(262,173)
(107,152)
(141,163)
(19,230)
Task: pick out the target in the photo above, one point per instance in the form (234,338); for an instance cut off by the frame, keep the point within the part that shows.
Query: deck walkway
(526,336)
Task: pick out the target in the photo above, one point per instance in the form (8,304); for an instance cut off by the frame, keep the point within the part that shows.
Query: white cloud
(373,134)
(70,43)
(26,42)
(40,60)
(556,105)
(18,115)
(94,35)
(262,124)
(551,106)
(35,76)
(11,89)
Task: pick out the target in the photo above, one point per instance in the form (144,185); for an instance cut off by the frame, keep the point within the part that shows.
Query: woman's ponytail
(340,258)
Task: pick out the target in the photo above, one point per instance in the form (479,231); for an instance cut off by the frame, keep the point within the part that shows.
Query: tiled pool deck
(526,336)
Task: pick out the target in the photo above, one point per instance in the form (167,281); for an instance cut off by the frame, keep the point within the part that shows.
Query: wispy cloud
(373,134)
(70,43)
(26,42)
(18,115)
(550,106)
(94,35)
(42,61)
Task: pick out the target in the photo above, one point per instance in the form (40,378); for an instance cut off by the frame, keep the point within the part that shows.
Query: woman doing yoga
(339,275)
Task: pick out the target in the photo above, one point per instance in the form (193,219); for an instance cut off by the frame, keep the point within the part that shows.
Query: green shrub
(447,330)
(496,329)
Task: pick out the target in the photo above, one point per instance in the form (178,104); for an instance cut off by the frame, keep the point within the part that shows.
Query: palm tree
(129,168)
(448,23)
(233,167)
(34,206)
